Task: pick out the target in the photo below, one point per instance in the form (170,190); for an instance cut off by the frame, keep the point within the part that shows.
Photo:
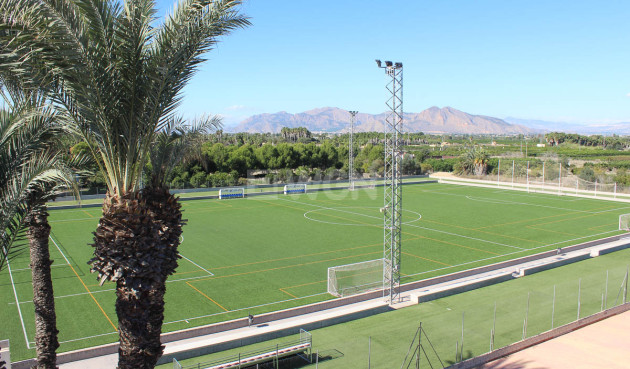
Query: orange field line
(290,294)
(455,244)
(206,296)
(604,225)
(279,268)
(552,231)
(527,220)
(296,257)
(420,257)
(92,296)
(90,215)
(477,230)
(305,284)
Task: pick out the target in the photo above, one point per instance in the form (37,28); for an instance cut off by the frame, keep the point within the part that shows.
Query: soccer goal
(351,279)
(624,222)
(231,193)
(294,188)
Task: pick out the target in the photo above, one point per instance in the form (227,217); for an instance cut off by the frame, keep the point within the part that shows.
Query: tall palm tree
(120,74)
(32,174)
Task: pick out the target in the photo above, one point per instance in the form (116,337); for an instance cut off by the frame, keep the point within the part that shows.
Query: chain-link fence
(550,177)
(515,317)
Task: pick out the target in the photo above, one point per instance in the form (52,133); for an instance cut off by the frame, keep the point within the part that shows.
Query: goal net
(231,193)
(351,279)
(294,188)
(624,222)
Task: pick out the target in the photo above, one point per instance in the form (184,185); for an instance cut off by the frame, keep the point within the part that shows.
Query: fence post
(494,325)
(317,359)
(526,316)
(595,188)
(461,348)
(498,176)
(577,185)
(559,177)
(553,305)
(579,297)
(615,196)
(528,176)
(543,185)
(456,351)
(625,289)
(419,347)
(369,351)
(606,292)
(512,173)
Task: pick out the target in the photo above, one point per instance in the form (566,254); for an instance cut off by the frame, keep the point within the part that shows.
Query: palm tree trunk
(136,246)
(46,341)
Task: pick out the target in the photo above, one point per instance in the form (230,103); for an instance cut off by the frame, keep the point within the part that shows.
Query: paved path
(605,344)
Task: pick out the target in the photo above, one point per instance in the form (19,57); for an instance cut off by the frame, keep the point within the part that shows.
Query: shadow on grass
(503,363)
(299,361)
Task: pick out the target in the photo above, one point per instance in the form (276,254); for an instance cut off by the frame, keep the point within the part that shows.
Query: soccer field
(267,253)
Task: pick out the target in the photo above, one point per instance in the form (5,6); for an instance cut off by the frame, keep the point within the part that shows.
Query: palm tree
(120,78)
(32,174)
(474,161)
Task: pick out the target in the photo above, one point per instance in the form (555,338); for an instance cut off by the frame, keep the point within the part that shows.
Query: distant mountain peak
(432,120)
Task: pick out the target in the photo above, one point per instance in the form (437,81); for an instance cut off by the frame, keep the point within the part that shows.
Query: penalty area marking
(340,209)
(192,262)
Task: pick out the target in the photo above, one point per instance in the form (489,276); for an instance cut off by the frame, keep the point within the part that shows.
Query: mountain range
(433,120)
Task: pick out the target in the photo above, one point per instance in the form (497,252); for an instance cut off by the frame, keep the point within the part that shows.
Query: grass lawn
(266,253)
(391,333)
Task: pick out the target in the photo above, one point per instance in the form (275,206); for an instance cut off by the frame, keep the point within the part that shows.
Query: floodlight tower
(353,113)
(392,210)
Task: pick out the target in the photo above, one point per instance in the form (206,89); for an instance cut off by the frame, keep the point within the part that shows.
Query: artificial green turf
(272,252)
(391,333)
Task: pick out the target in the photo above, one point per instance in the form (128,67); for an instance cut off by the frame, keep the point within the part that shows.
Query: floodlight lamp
(353,112)
(398,65)
(378,62)
(388,63)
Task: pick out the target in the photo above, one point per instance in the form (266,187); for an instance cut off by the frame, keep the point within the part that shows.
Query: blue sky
(551,60)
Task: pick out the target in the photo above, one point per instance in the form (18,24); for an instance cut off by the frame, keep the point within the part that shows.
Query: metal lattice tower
(353,113)
(392,209)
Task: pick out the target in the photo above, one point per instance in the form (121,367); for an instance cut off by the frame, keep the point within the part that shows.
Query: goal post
(352,279)
(232,193)
(294,188)
(624,222)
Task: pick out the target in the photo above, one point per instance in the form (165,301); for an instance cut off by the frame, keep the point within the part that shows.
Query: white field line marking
(52,266)
(468,237)
(562,199)
(507,202)
(306,215)
(192,262)
(62,254)
(87,338)
(197,265)
(28,345)
(109,290)
(64,296)
(416,226)
(509,253)
(245,308)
